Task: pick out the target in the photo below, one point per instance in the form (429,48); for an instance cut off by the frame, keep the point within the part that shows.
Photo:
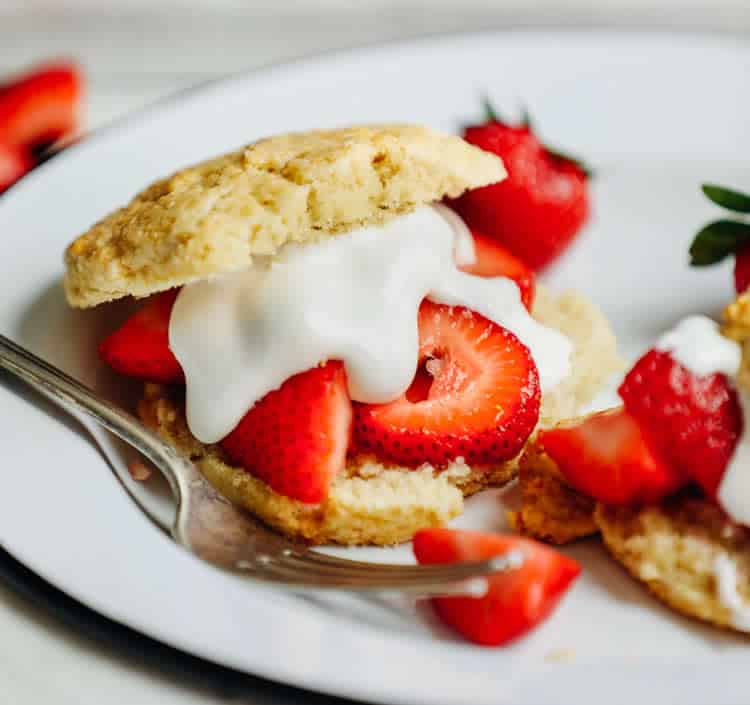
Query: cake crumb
(563,655)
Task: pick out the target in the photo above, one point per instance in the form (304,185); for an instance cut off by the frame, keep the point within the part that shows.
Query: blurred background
(135,51)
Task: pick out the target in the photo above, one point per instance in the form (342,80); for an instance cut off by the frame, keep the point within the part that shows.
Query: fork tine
(476,586)
(340,566)
(329,560)
(412,578)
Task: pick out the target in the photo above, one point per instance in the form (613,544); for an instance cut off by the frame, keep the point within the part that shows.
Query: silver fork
(218,532)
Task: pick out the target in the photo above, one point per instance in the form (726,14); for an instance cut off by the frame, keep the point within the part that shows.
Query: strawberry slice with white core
(476,395)
(516,601)
(295,439)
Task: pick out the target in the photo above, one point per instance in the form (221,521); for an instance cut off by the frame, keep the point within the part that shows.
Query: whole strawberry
(542,204)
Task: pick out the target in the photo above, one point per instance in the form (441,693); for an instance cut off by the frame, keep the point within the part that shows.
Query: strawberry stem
(526,120)
(490,114)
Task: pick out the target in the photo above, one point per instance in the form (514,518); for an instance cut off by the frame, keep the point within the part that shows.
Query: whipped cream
(733,493)
(353,298)
(696,343)
(725,572)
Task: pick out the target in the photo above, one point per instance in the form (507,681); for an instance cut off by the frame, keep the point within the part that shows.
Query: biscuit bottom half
(671,547)
(371,503)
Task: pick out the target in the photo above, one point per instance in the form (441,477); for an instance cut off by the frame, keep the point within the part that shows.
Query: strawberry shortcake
(334,347)
(664,478)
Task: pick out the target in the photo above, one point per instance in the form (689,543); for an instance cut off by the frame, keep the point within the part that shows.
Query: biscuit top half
(215,217)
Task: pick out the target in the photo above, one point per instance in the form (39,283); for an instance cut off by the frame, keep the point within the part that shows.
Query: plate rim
(718,38)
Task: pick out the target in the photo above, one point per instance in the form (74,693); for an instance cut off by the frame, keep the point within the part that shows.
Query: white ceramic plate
(655,114)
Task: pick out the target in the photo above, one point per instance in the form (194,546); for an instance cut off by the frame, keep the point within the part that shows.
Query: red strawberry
(14,163)
(516,601)
(41,107)
(140,347)
(742,269)
(493,260)
(542,204)
(295,439)
(475,395)
(605,456)
(692,422)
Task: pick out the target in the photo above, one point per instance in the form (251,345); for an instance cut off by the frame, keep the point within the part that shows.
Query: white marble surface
(135,53)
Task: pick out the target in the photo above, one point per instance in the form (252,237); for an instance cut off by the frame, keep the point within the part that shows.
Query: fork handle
(76,398)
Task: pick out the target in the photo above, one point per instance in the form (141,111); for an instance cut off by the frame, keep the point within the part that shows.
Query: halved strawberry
(14,163)
(692,422)
(41,107)
(516,602)
(476,395)
(140,347)
(493,260)
(605,456)
(295,439)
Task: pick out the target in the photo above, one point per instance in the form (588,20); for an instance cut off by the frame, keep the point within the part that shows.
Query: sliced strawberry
(475,396)
(742,269)
(692,422)
(493,260)
(41,107)
(516,602)
(140,347)
(605,456)
(295,439)
(14,163)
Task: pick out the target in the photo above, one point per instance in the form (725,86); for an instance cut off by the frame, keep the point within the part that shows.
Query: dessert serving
(333,346)
(665,478)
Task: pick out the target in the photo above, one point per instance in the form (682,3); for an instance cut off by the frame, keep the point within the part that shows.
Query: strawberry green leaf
(563,157)
(717,241)
(526,120)
(727,198)
(490,114)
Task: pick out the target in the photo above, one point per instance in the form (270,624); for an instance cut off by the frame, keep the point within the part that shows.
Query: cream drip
(354,298)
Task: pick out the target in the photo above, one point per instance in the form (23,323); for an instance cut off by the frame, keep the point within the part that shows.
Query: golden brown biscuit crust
(216,216)
(368,504)
(671,548)
(595,358)
(550,510)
